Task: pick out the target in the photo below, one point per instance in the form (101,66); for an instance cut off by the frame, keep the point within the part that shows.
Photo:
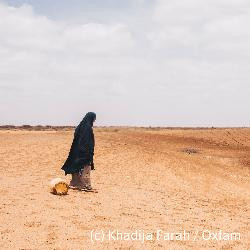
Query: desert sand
(197,180)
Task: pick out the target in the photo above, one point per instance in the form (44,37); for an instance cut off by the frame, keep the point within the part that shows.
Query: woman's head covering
(89,119)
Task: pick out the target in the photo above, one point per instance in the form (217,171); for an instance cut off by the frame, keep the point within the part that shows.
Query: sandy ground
(146,182)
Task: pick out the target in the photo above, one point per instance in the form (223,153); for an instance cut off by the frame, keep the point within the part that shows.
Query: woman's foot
(75,181)
(73,187)
(88,189)
(74,184)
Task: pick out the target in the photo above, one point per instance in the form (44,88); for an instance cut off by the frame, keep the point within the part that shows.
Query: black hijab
(87,121)
(82,148)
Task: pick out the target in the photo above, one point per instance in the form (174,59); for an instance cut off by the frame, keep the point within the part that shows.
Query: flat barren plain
(177,188)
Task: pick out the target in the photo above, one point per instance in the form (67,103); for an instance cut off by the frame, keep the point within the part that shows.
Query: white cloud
(217,25)
(99,39)
(179,63)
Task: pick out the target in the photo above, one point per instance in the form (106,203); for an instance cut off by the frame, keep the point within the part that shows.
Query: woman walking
(80,159)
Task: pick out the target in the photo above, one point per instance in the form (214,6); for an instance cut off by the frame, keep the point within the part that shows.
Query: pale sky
(134,62)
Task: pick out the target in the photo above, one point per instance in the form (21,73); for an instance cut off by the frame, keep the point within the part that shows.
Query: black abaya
(82,148)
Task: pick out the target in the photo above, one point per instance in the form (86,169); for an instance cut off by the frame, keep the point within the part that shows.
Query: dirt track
(167,179)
